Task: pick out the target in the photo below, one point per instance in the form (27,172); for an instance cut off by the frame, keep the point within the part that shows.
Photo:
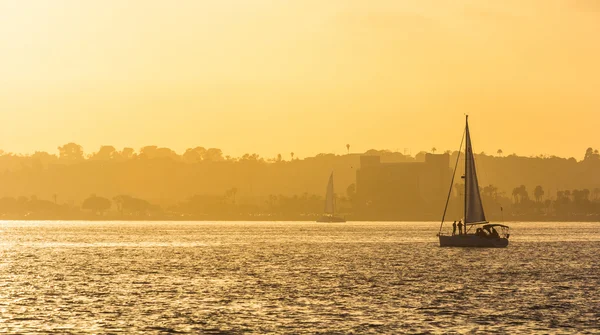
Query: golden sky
(309,76)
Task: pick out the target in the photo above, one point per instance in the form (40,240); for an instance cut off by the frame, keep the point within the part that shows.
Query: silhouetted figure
(454,228)
(479,232)
(494,233)
(460,228)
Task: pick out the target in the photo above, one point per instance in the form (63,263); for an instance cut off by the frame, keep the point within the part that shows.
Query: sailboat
(329,215)
(478,232)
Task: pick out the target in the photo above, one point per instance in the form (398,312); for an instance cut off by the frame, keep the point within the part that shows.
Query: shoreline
(572,218)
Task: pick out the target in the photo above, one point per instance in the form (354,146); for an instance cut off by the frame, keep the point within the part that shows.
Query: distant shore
(287,218)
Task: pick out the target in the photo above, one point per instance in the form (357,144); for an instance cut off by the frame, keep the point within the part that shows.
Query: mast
(467,148)
(329,198)
(473,207)
(332,196)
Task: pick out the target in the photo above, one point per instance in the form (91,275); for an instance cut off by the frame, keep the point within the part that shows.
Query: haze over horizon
(273,77)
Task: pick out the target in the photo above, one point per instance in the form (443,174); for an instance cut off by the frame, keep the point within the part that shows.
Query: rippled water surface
(237,277)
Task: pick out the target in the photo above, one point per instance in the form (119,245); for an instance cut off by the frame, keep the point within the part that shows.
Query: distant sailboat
(330,204)
(485,234)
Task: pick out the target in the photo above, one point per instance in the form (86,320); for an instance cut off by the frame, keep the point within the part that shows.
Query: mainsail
(329,201)
(473,206)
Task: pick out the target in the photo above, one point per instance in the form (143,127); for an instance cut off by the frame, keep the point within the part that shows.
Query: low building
(402,191)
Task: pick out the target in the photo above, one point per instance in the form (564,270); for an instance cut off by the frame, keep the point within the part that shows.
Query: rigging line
(452,181)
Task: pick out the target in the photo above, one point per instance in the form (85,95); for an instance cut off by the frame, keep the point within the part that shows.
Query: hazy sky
(309,76)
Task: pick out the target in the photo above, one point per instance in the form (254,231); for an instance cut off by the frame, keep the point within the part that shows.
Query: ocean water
(294,277)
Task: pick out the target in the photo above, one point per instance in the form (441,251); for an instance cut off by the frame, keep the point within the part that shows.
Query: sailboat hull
(330,219)
(472,241)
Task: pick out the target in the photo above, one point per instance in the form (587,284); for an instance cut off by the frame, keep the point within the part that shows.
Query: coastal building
(402,191)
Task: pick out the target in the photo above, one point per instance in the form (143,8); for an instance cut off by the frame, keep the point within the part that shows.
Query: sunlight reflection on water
(290,277)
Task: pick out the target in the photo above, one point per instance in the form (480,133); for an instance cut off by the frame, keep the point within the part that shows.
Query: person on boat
(460,226)
(479,232)
(494,233)
(454,228)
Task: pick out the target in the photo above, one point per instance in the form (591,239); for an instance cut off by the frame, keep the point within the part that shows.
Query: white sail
(473,206)
(329,200)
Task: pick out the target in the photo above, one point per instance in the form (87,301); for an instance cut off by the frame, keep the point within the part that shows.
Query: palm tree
(433,150)
(515,194)
(523,193)
(595,193)
(348,148)
(234,191)
(499,152)
(520,194)
(491,191)
(230,194)
(538,193)
(292,154)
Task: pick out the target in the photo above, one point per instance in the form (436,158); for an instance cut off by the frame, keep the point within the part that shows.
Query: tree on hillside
(129,205)
(591,154)
(148,151)
(251,158)
(106,152)
(214,155)
(194,155)
(71,152)
(499,152)
(96,204)
(433,150)
(292,154)
(127,153)
(154,152)
(43,157)
(420,157)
